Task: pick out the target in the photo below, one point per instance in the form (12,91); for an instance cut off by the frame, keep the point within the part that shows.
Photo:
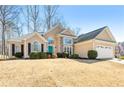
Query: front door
(50,49)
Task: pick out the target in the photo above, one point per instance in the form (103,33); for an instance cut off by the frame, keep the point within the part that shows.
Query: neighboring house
(119,49)
(60,40)
(100,40)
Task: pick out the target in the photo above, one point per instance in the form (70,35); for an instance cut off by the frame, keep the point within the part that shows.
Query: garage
(104,52)
(100,40)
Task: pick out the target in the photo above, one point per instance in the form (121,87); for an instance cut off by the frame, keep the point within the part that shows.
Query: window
(67,40)
(36,46)
(17,48)
(50,40)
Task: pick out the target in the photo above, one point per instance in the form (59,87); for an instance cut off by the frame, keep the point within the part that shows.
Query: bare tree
(50,15)
(77,31)
(26,15)
(7,14)
(18,27)
(34,17)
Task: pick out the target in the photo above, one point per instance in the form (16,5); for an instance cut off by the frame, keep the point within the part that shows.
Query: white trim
(36,34)
(68,30)
(110,34)
(105,42)
(9,50)
(70,47)
(107,30)
(14,40)
(84,42)
(25,49)
(20,40)
(33,47)
(58,25)
(67,36)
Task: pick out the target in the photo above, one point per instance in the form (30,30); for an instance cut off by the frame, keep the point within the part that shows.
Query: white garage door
(104,52)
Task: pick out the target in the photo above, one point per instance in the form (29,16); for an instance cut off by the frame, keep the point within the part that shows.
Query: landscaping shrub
(38,55)
(92,54)
(33,55)
(59,55)
(75,56)
(63,55)
(18,55)
(43,55)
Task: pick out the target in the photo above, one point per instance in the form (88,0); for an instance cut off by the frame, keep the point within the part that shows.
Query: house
(57,39)
(60,40)
(26,44)
(100,40)
(119,49)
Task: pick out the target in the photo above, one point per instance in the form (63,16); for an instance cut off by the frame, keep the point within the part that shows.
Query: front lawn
(121,57)
(60,72)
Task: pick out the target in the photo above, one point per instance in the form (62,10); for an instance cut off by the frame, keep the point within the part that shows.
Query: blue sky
(89,18)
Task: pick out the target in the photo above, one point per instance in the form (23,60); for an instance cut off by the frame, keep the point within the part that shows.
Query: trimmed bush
(65,55)
(43,55)
(38,55)
(75,56)
(18,55)
(33,55)
(92,54)
(62,55)
(59,55)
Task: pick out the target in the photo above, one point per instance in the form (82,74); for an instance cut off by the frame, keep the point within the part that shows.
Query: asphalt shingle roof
(89,35)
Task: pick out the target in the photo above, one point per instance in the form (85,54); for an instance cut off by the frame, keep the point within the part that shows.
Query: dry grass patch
(60,72)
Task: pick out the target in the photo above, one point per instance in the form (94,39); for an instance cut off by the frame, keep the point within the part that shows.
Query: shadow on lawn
(90,61)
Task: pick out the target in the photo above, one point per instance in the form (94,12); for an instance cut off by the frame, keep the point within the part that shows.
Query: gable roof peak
(90,35)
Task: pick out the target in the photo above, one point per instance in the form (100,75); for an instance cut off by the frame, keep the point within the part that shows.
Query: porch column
(72,50)
(25,49)
(9,51)
(45,47)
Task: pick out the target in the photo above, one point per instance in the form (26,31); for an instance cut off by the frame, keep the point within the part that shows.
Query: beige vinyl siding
(83,48)
(35,38)
(104,36)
